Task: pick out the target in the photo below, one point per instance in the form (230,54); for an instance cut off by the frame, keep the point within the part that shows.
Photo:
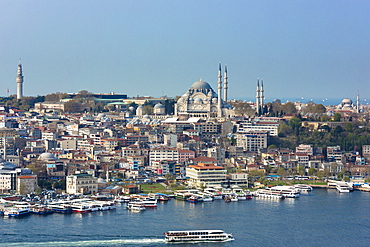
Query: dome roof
(47,157)
(159,105)
(200,85)
(347,101)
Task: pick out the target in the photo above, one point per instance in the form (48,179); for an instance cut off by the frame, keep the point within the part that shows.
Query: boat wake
(112,242)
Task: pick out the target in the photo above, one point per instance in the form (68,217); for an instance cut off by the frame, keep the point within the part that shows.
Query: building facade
(82,184)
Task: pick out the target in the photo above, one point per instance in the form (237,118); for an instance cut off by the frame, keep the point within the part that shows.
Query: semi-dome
(200,85)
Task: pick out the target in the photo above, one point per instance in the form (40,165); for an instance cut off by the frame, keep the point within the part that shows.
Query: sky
(307,49)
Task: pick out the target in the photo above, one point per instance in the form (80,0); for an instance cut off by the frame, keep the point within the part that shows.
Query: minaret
(219,92)
(358,103)
(262,98)
(258,97)
(225,85)
(19,80)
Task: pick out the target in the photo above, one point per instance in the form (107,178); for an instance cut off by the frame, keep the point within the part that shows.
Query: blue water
(320,218)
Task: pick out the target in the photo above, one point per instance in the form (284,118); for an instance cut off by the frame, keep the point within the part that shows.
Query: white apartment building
(302,148)
(253,140)
(270,125)
(163,153)
(206,175)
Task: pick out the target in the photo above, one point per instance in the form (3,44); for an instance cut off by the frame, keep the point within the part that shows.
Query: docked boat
(303,187)
(147,203)
(194,199)
(135,207)
(216,195)
(61,208)
(343,188)
(198,236)
(269,194)
(16,211)
(40,209)
(286,191)
(80,208)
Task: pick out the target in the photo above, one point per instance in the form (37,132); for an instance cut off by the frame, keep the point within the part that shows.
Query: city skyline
(307,49)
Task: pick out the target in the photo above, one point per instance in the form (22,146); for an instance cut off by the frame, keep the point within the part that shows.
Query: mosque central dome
(200,85)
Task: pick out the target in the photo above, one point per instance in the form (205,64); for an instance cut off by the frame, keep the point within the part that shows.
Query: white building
(206,175)
(260,124)
(253,140)
(163,153)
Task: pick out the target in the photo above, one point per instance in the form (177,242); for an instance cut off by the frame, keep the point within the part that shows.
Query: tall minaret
(262,98)
(358,103)
(258,97)
(19,80)
(219,92)
(225,84)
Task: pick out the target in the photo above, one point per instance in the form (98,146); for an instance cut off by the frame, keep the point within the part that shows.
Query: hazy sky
(310,49)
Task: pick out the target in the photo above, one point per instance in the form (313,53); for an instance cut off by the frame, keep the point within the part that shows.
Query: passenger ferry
(198,236)
(343,188)
(17,211)
(135,206)
(61,208)
(269,194)
(286,191)
(303,187)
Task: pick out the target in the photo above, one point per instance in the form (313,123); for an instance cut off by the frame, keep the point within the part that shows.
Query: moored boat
(343,188)
(268,194)
(40,209)
(16,211)
(135,206)
(61,208)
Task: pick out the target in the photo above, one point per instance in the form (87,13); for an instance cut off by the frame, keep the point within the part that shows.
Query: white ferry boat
(303,187)
(136,206)
(198,236)
(343,188)
(269,194)
(286,191)
(61,208)
(16,211)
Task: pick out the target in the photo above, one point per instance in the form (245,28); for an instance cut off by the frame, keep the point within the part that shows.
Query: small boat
(198,236)
(39,209)
(234,199)
(193,199)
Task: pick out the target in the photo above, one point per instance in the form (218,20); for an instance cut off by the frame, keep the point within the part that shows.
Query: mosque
(202,101)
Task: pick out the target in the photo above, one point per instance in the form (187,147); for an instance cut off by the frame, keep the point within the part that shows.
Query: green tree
(312,171)
(295,124)
(72,106)
(337,117)
(289,108)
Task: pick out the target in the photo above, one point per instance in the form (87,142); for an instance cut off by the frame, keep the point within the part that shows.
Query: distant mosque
(203,102)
